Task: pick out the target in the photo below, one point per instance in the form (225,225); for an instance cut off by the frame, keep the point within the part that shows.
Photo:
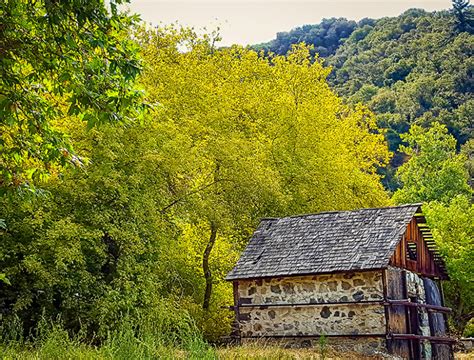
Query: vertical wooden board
(410,230)
(403,245)
(236,325)
(397,321)
(397,254)
(424,264)
(398,257)
(411,265)
(421,247)
(393,259)
(396,314)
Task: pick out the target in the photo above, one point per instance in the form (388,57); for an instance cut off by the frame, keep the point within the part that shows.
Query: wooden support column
(237,311)
(388,341)
(407,313)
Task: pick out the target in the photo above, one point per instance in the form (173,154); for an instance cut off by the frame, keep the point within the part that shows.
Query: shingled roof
(322,243)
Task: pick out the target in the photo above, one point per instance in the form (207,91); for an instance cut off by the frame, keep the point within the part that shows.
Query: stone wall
(311,319)
(306,309)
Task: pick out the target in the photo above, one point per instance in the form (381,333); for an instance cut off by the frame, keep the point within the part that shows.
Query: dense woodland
(412,69)
(136,162)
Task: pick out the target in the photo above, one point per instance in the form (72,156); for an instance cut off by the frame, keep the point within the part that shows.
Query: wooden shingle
(323,243)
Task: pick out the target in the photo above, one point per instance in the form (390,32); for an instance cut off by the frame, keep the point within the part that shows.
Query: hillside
(412,69)
(326,37)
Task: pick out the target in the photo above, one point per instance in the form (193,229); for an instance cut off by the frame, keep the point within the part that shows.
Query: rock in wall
(331,319)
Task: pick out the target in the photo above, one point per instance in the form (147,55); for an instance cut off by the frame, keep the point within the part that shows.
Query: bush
(469,329)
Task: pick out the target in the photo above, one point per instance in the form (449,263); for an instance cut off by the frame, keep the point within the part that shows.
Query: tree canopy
(413,69)
(436,175)
(326,37)
(159,203)
(164,207)
(435,171)
(60,58)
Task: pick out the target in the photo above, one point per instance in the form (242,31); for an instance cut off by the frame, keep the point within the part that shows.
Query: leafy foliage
(60,58)
(464,15)
(435,174)
(435,171)
(326,37)
(415,68)
(411,69)
(233,137)
(453,229)
(145,233)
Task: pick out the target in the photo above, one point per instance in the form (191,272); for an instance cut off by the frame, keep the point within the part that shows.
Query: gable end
(417,250)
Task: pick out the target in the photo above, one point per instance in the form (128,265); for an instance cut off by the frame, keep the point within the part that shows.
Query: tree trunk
(205,266)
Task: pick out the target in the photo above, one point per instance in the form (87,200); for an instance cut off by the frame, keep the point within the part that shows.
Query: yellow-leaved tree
(152,223)
(246,136)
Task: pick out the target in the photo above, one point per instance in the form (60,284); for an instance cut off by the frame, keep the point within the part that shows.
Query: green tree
(60,58)
(468,150)
(257,124)
(164,207)
(463,12)
(325,37)
(453,229)
(435,171)
(436,174)
(90,251)
(409,69)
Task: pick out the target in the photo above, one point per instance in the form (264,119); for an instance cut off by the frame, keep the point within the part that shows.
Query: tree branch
(205,266)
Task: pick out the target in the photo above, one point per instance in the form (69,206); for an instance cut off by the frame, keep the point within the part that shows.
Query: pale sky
(254,21)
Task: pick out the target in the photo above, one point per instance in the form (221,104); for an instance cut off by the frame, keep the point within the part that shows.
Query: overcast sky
(253,21)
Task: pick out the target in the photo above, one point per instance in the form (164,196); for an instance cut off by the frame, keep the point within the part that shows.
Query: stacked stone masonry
(296,310)
(331,319)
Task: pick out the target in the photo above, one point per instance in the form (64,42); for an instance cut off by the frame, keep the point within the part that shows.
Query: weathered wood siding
(425,263)
(397,316)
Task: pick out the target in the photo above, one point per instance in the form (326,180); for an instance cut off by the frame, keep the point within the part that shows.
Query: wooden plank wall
(397,316)
(425,263)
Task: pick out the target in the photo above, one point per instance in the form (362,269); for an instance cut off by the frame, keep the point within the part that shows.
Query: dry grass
(259,352)
(266,352)
(464,356)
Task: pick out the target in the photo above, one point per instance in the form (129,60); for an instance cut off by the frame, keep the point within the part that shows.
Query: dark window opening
(411,251)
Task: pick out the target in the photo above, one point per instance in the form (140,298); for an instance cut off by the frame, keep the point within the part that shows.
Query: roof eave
(236,278)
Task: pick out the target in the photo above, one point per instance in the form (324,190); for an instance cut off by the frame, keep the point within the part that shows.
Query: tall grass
(162,334)
(155,336)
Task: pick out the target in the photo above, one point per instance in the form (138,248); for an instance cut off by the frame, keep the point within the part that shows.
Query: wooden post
(237,311)
(388,341)
(407,312)
(445,318)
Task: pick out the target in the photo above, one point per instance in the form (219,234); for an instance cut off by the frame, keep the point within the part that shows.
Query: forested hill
(414,68)
(326,37)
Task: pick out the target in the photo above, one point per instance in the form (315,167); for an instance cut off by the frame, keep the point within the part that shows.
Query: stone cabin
(368,280)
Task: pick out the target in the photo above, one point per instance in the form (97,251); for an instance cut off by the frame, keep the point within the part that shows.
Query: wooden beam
(313,336)
(264,306)
(388,342)
(429,307)
(236,309)
(438,339)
